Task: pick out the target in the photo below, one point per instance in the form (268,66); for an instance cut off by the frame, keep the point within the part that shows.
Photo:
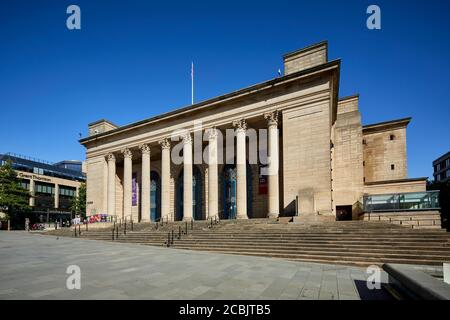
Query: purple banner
(133,190)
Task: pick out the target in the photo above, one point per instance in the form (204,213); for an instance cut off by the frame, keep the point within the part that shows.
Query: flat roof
(386,125)
(443,157)
(205,104)
(305,49)
(374,183)
(41,165)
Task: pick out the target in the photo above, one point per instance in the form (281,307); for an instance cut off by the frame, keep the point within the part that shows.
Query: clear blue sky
(131,60)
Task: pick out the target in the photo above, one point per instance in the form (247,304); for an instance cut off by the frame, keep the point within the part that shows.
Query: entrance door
(229,211)
(229,192)
(196,195)
(155,197)
(343,213)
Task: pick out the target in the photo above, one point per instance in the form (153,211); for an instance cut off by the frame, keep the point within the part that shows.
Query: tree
(444,200)
(14,199)
(78,205)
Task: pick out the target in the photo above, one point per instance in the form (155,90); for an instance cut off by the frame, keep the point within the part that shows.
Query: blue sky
(131,60)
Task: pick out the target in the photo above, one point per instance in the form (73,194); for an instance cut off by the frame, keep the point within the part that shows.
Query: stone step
(362,260)
(341,251)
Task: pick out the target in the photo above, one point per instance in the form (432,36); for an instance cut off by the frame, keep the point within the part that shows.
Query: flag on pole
(192,82)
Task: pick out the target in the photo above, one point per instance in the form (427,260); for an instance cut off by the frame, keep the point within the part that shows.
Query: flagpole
(192,82)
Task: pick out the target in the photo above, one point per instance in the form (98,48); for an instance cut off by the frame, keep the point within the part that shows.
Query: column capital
(145,148)
(240,125)
(187,138)
(127,153)
(111,157)
(272,118)
(212,133)
(165,143)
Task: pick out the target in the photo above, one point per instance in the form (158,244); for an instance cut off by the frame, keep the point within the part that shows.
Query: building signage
(133,190)
(22,175)
(262,185)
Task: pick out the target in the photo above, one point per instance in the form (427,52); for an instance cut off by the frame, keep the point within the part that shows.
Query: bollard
(87,225)
(131,224)
(192,224)
(75,231)
(186,228)
(112,234)
(125,227)
(179,232)
(79,229)
(215,219)
(117,233)
(168,239)
(172,237)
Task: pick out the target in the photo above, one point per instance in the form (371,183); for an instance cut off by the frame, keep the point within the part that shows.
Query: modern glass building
(52,186)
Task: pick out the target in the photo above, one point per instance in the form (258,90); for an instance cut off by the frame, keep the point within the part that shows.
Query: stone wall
(306,58)
(380,153)
(347,155)
(400,186)
(415,219)
(307,159)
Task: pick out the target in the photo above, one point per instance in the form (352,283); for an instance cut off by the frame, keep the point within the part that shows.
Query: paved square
(34,267)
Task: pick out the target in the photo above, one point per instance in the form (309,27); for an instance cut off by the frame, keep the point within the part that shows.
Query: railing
(414,201)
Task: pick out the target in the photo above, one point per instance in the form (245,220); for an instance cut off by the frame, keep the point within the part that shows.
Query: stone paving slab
(34,267)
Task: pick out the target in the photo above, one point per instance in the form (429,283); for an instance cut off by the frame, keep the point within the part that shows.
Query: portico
(182,185)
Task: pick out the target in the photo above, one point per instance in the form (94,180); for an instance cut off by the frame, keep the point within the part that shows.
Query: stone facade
(319,156)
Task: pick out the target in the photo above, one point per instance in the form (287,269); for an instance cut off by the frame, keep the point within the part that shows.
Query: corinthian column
(273,167)
(111,188)
(165,178)
(241,168)
(187,177)
(145,183)
(213,180)
(127,172)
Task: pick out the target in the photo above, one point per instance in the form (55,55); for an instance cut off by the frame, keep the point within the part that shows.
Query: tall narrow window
(392,167)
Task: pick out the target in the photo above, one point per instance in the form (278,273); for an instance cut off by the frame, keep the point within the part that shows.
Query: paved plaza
(34,266)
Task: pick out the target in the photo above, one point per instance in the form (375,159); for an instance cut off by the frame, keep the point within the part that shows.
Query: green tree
(78,205)
(14,199)
(444,200)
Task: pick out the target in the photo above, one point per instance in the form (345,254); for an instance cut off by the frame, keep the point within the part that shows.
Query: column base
(242,217)
(273,215)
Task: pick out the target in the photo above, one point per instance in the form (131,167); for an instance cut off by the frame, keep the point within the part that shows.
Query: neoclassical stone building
(322,160)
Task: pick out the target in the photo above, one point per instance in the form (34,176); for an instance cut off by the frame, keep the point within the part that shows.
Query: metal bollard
(75,231)
(125,227)
(192,224)
(186,228)
(179,232)
(87,225)
(117,233)
(168,239)
(172,237)
(79,229)
(131,224)
(113,234)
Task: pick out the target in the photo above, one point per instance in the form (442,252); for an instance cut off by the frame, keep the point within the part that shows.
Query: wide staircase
(346,242)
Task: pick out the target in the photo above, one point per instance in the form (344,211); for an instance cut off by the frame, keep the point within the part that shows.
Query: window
(38,170)
(392,137)
(364,141)
(438,167)
(392,167)
(447,163)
